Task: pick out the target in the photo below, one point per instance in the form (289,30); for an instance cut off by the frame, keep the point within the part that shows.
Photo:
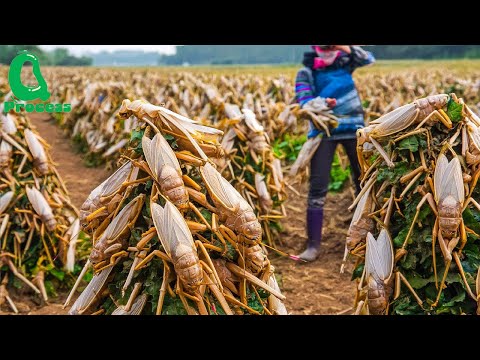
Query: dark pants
(321,165)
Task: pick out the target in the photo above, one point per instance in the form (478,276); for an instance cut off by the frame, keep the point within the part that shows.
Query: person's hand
(331,102)
(320,104)
(344,48)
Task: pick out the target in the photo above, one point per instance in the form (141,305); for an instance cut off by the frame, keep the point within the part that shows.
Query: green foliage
(357,272)
(454,111)
(136,140)
(410,143)
(288,147)
(338,175)
(393,175)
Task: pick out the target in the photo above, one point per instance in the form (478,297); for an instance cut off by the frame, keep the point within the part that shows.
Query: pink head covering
(324,57)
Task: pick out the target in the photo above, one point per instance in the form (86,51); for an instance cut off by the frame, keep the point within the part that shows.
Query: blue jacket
(335,81)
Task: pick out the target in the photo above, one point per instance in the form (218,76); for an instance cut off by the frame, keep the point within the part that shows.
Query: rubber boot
(314,229)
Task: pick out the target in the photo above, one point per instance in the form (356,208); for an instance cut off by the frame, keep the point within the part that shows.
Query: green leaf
(393,175)
(357,273)
(59,274)
(410,143)
(408,262)
(454,111)
(50,288)
(400,238)
(471,221)
(417,282)
(206,214)
(88,276)
(457,298)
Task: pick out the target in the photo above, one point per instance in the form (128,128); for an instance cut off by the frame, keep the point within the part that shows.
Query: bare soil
(316,288)
(79,179)
(310,288)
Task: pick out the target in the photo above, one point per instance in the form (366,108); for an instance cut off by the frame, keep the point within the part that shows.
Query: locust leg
(434,256)
(163,288)
(433,113)
(399,277)
(410,184)
(210,263)
(112,260)
(181,294)
(254,280)
(146,237)
(77,283)
(412,174)
(363,191)
(442,284)
(201,306)
(199,198)
(199,214)
(428,197)
(462,274)
(150,256)
(359,308)
(382,152)
(132,270)
(361,160)
(472,187)
(443,246)
(444,118)
(136,289)
(219,295)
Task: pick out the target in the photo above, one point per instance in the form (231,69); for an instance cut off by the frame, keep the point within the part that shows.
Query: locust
(166,170)
(40,160)
(235,212)
(42,208)
(104,198)
(441,172)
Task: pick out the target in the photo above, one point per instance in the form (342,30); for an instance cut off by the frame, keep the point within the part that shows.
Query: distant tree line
(292,54)
(56,57)
(125,58)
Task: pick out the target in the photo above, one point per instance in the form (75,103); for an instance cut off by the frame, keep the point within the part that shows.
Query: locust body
(379,269)
(361,223)
(40,160)
(234,211)
(166,169)
(178,243)
(113,238)
(42,208)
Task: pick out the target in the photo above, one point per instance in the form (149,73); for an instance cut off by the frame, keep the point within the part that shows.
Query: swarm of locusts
(93,122)
(170,234)
(415,231)
(39,227)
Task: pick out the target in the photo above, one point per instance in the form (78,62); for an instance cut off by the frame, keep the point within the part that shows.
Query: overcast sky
(82,49)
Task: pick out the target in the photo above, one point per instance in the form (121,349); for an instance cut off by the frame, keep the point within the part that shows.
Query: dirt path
(80,181)
(318,287)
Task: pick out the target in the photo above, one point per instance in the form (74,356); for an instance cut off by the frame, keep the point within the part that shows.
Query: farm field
(88,144)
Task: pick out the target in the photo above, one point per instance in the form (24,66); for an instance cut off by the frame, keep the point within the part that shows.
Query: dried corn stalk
(38,231)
